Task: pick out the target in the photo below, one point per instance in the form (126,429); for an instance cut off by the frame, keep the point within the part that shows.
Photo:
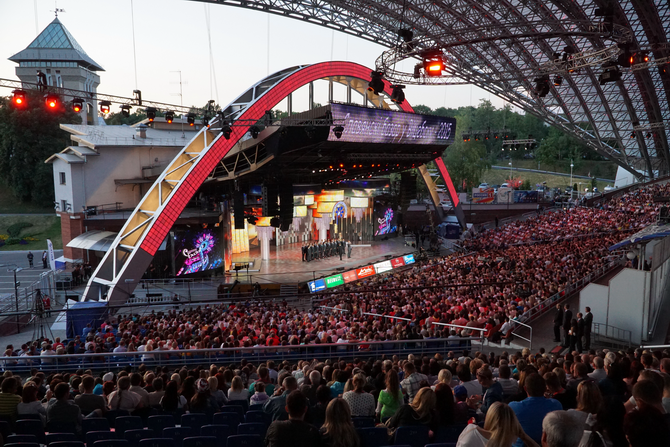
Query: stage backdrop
(198,250)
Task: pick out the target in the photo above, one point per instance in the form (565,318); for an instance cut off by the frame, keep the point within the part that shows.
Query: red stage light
(51,101)
(19,98)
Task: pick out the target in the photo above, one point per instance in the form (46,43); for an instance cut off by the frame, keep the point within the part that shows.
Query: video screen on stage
(197,251)
(385,220)
(316,286)
(368,125)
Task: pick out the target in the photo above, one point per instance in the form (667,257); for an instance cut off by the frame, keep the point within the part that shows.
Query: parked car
(483,185)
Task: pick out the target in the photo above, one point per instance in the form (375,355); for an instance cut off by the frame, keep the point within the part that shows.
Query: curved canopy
(625,121)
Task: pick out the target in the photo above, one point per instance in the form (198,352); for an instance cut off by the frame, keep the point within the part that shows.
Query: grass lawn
(10,205)
(44,227)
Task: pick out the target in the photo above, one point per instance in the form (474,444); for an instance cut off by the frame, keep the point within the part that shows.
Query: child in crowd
(260,396)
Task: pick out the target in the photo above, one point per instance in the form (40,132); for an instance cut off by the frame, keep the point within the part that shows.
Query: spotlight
(648,135)
(51,100)
(632,135)
(190,119)
(77,104)
(495,135)
(476,137)
(406,34)
(376,84)
(397,95)
(558,80)
(125,110)
(466,137)
(104,107)
(252,220)
(169,116)
(254,131)
(19,98)
(337,130)
(641,57)
(433,62)
(226,130)
(611,74)
(542,86)
(151,113)
(417,70)
(205,121)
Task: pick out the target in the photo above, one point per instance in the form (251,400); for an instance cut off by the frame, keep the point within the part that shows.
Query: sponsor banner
(525,196)
(334,281)
(397,262)
(505,195)
(350,276)
(365,271)
(50,254)
(409,259)
(316,286)
(483,195)
(382,267)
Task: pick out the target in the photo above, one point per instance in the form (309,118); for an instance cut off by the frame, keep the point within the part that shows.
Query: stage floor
(286,266)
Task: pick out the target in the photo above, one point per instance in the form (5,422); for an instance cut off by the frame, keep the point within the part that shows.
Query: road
(12,259)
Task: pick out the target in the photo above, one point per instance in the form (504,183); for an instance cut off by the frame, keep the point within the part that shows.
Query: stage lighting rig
(125,110)
(51,100)
(105,107)
(376,84)
(254,131)
(397,95)
(169,116)
(190,119)
(77,105)
(226,130)
(151,113)
(610,74)
(558,80)
(19,98)
(433,62)
(542,87)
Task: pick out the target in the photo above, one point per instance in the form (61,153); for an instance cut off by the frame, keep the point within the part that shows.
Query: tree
(117,118)
(28,136)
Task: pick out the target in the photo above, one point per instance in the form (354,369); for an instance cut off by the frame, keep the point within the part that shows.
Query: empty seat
(157,442)
(31,427)
(252,428)
(67,444)
(245,441)
(60,437)
(416,436)
(217,431)
(123,423)
(5,429)
(241,403)
(159,422)
(195,421)
(258,417)
(134,436)
(177,434)
(111,443)
(255,407)
(199,441)
(94,424)
(449,433)
(442,444)
(13,439)
(111,416)
(233,409)
(230,419)
(363,422)
(23,444)
(373,436)
(94,436)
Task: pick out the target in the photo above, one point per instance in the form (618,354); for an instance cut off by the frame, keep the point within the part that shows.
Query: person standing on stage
(588,322)
(558,322)
(304,252)
(340,249)
(567,322)
(348,249)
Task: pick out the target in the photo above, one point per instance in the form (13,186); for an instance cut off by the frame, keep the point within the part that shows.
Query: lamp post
(571,166)
(511,172)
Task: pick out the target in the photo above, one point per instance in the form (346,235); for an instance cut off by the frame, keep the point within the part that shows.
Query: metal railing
(111,361)
(602,332)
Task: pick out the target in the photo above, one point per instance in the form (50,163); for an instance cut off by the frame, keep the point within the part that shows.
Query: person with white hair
(558,430)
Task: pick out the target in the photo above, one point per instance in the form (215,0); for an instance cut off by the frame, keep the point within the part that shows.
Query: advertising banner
(397,262)
(483,195)
(505,195)
(383,266)
(409,259)
(525,196)
(369,125)
(334,281)
(365,271)
(50,254)
(349,276)
(316,286)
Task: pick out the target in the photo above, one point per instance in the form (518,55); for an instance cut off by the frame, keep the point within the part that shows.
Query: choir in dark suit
(320,250)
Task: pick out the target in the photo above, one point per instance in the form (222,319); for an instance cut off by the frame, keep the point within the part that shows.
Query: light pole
(571,166)
(511,174)
(15,269)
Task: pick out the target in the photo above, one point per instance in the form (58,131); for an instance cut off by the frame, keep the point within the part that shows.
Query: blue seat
(94,424)
(233,409)
(5,429)
(416,436)
(230,419)
(177,434)
(94,436)
(195,421)
(252,428)
(67,443)
(111,416)
(255,407)
(13,439)
(363,422)
(257,417)
(217,431)
(448,434)
(23,444)
(373,436)
(111,443)
(124,423)
(240,403)
(31,427)
(60,437)
(135,436)
(199,441)
(159,422)
(245,441)
(157,442)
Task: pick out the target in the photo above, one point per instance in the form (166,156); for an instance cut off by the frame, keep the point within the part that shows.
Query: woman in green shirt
(390,399)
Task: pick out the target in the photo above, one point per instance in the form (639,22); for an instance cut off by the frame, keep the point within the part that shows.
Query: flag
(52,258)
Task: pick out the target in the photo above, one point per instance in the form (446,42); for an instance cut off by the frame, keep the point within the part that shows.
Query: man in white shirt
(47,351)
(598,373)
(136,387)
(121,347)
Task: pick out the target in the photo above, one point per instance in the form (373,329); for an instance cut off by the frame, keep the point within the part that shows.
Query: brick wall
(72,225)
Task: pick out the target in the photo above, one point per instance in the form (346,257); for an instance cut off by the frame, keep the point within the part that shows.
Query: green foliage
(14,230)
(13,241)
(29,136)
(558,150)
(117,118)
(526,186)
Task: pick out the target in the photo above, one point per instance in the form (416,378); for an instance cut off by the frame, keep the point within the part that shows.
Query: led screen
(334,281)
(197,251)
(368,125)
(316,286)
(409,259)
(386,221)
(358,202)
(365,271)
(397,262)
(382,267)
(350,276)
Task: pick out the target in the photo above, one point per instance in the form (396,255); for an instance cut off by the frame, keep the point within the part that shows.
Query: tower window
(61,176)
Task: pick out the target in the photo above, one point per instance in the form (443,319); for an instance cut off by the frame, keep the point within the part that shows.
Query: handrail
(529,340)
(655,346)
(615,333)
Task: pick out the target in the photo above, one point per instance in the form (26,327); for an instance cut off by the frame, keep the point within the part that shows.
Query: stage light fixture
(558,80)
(476,137)
(337,130)
(19,98)
(226,130)
(632,135)
(406,35)
(466,137)
(190,119)
(417,70)
(77,105)
(51,100)
(487,136)
(434,66)
(376,84)
(151,113)
(169,116)
(648,135)
(495,135)
(611,74)
(125,110)
(254,131)
(205,122)
(542,86)
(105,107)
(252,220)
(397,95)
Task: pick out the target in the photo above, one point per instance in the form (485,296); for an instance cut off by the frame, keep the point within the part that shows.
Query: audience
(294,432)
(338,428)
(531,411)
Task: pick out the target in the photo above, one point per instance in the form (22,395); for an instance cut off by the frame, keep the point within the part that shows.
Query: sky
(171,39)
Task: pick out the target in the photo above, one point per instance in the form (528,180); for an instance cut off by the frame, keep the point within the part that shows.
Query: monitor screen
(197,251)
(316,286)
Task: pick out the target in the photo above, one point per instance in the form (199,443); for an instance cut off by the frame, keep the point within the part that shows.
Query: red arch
(267,101)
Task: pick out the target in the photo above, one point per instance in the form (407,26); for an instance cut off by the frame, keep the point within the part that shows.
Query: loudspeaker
(286,204)
(238,209)
(407,188)
(269,194)
(285,225)
(274,222)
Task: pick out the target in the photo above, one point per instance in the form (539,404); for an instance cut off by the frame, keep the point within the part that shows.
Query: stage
(285,265)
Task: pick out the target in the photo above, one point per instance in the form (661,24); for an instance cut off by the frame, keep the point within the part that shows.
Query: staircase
(288,290)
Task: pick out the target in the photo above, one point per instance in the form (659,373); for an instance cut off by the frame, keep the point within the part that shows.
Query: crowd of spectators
(600,398)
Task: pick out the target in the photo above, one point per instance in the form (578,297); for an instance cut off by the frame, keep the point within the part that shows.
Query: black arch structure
(613,119)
